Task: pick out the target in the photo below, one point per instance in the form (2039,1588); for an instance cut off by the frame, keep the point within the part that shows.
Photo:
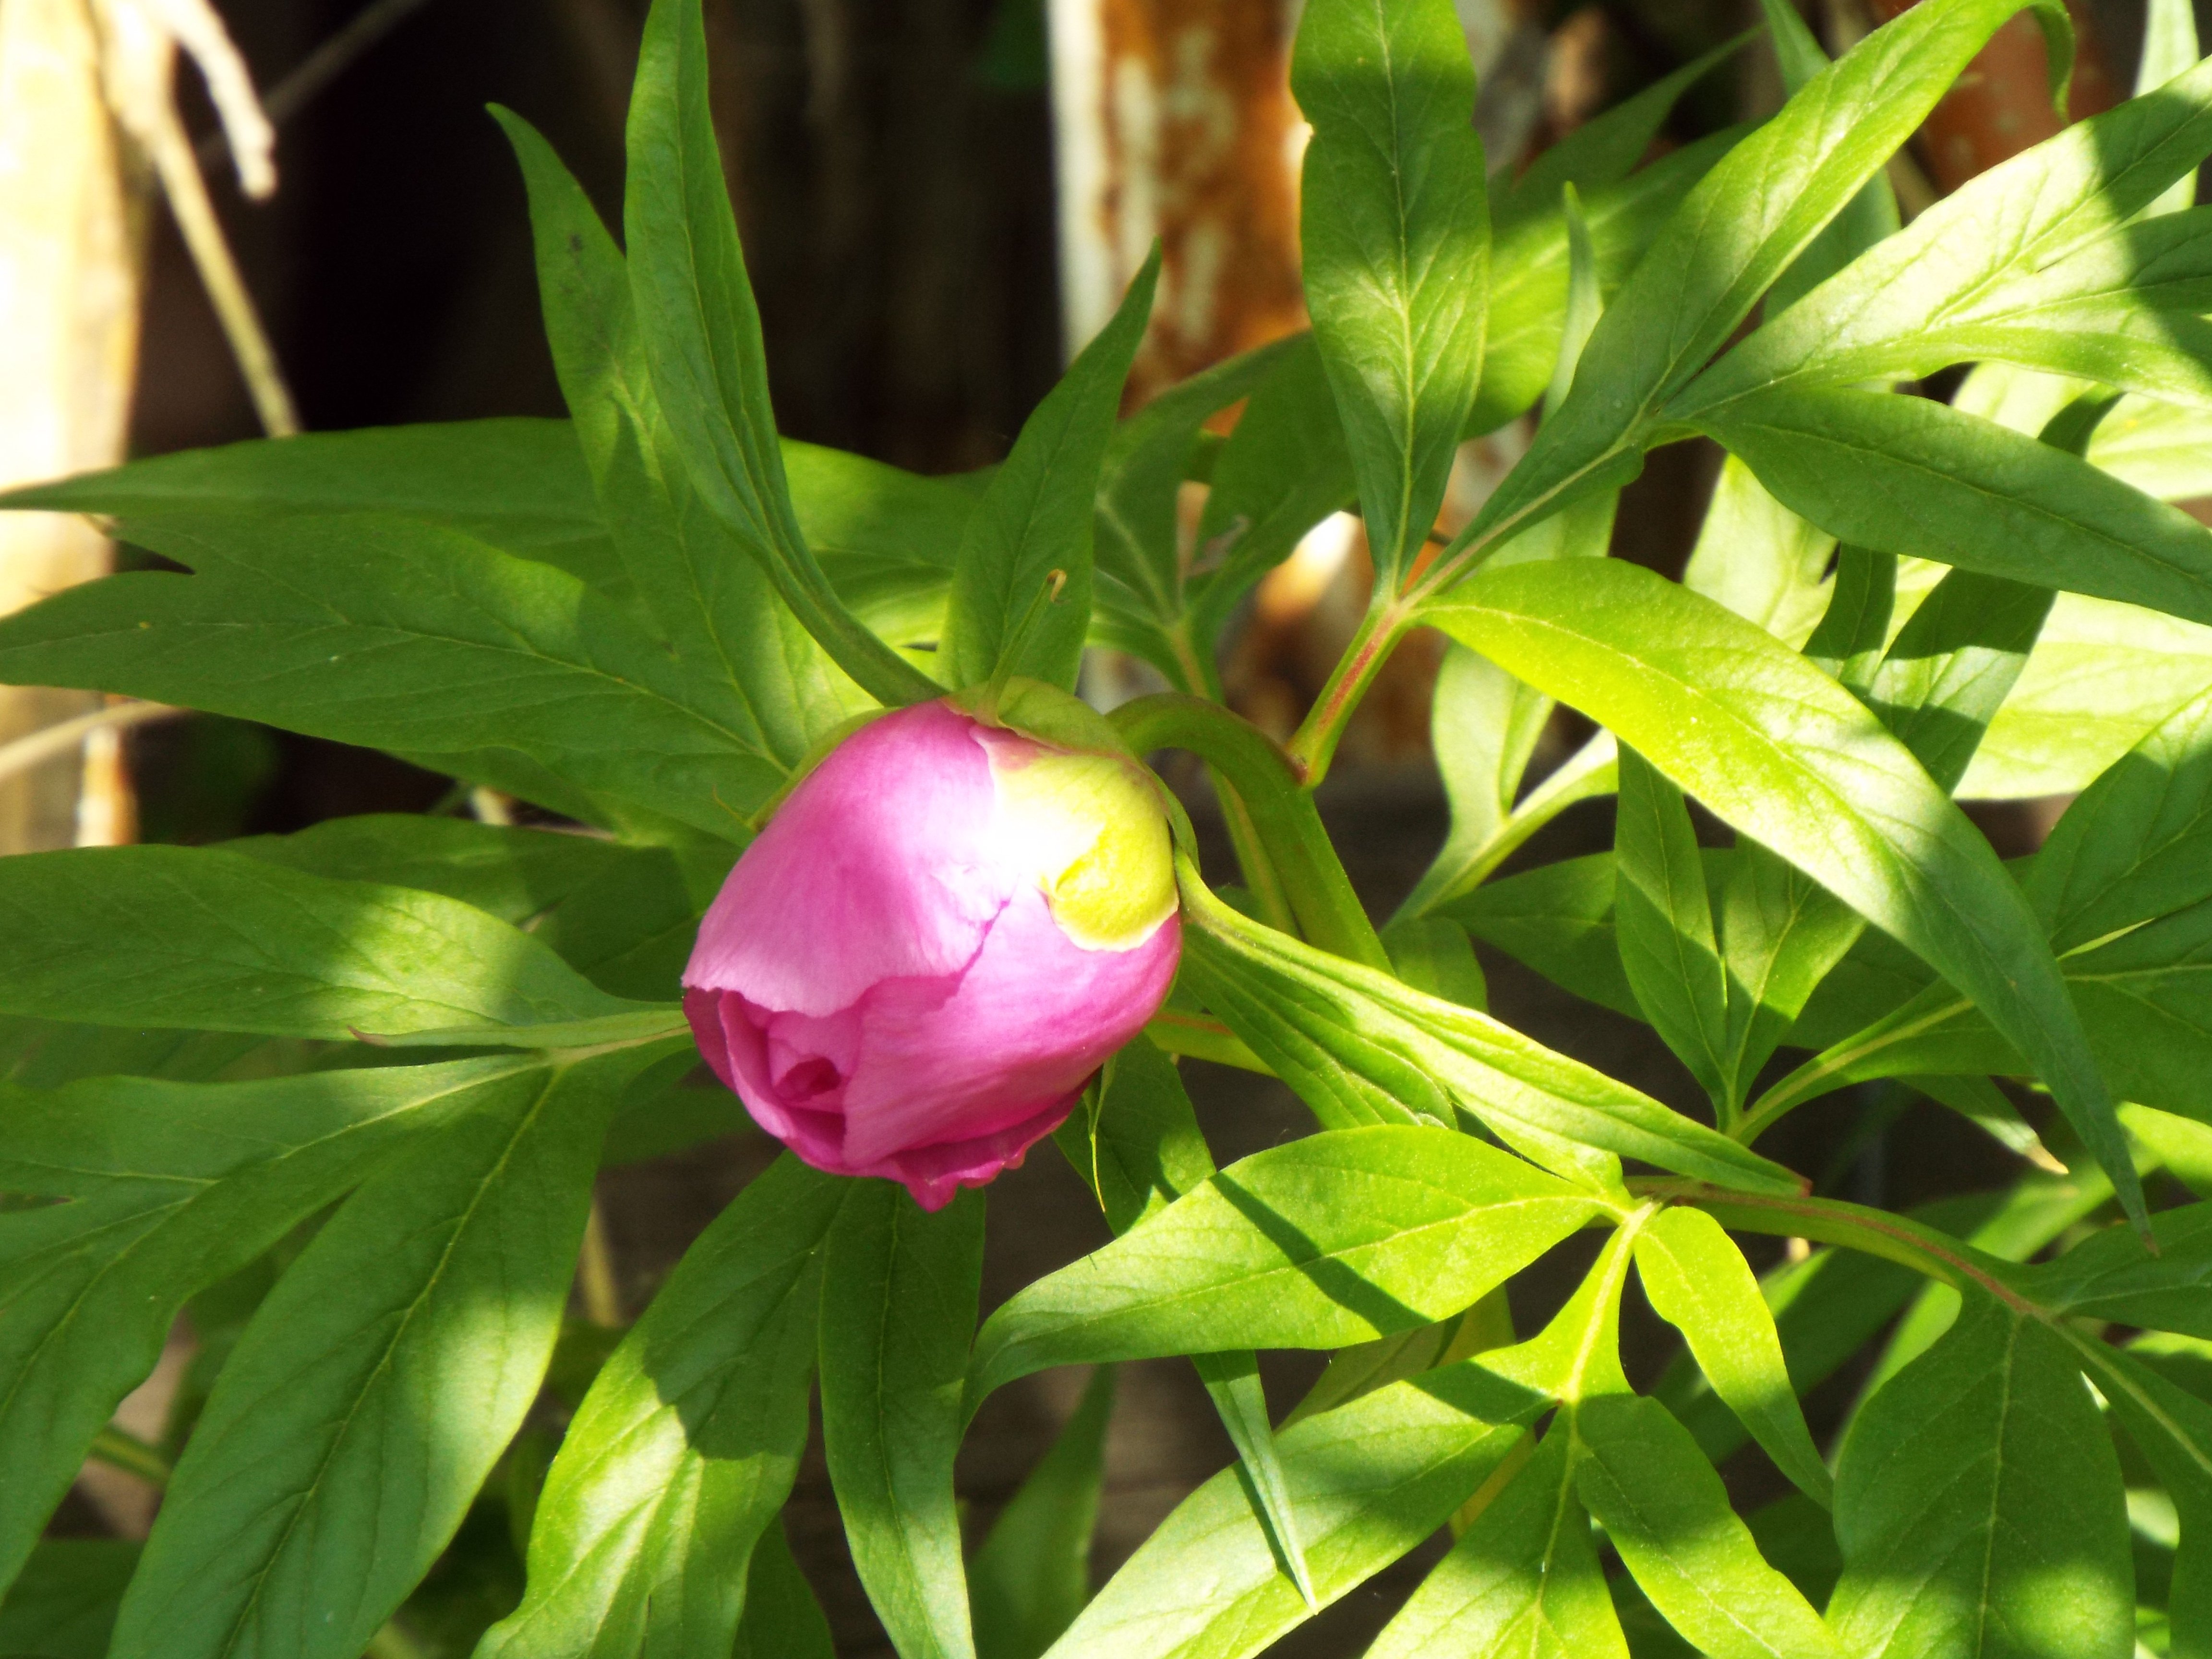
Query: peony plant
(831,817)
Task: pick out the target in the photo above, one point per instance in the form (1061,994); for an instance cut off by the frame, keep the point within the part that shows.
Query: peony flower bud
(944,930)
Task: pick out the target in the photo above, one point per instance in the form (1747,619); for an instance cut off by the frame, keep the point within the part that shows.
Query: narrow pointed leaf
(1396,233)
(1980,1504)
(354,1424)
(1737,232)
(1904,475)
(782,1619)
(1035,518)
(215,941)
(1699,1283)
(1664,1509)
(171,1186)
(701,334)
(685,1446)
(1371,1480)
(711,601)
(1339,1238)
(1362,1046)
(1663,918)
(899,1302)
(1524,1579)
(1032,1577)
(2002,258)
(1785,755)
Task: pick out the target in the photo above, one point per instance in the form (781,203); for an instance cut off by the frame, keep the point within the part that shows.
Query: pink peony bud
(943,930)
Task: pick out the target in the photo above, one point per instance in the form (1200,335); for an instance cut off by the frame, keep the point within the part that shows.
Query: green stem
(1264,881)
(132,1455)
(1589,772)
(1284,821)
(1833,1069)
(1314,744)
(1872,1232)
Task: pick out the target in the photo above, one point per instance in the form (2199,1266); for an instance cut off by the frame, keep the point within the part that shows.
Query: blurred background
(940,199)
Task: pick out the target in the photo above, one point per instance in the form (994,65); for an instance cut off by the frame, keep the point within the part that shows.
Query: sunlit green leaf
(685,1446)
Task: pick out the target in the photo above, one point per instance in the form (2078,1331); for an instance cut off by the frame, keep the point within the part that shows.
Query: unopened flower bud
(945,929)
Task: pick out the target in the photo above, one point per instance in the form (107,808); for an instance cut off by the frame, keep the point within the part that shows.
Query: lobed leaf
(354,1424)
(1338,1237)
(1788,757)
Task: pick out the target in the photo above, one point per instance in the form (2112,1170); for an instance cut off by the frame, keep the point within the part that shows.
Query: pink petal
(876,868)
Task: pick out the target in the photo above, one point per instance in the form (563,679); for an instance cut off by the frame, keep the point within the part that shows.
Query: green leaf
(1032,1577)
(402,636)
(1035,518)
(1699,1283)
(1557,920)
(1434,955)
(1283,470)
(898,1303)
(1953,664)
(1523,1579)
(1371,1480)
(513,874)
(1529,261)
(887,538)
(2137,844)
(2173,1428)
(1136,533)
(1759,559)
(1785,755)
(2169,49)
(1338,1237)
(198,939)
(1137,1144)
(1734,233)
(2102,675)
(2034,262)
(1139,1148)
(63,1605)
(1904,475)
(1366,1366)
(377,1386)
(627,1029)
(170,1188)
(1361,1047)
(1664,1509)
(518,485)
(1782,933)
(782,1619)
(2145,998)
(2110,1276)
(713,604)
(1397,240)
(686,1448)
(1979,1507)
(1663,919)
(1605,148)
(702,335)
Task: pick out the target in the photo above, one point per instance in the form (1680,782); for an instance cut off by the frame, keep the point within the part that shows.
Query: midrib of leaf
(259,1577)
(168,1213)
(385,635)
(1996,1482)
(1579,1198)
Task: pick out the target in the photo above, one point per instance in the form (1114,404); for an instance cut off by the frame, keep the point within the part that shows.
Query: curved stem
(1288,828)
